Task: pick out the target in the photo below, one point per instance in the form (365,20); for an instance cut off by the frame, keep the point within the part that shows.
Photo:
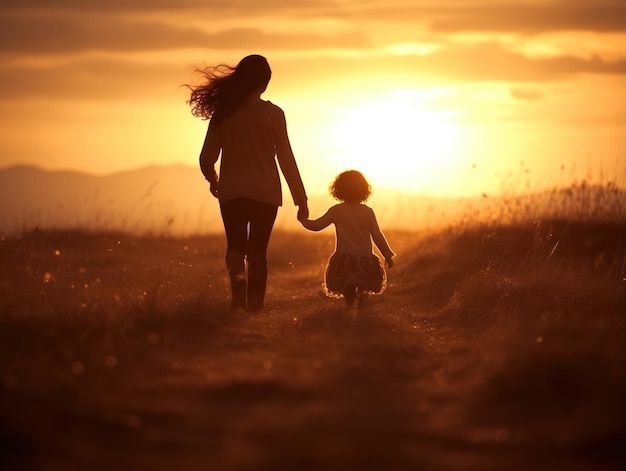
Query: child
(353,270)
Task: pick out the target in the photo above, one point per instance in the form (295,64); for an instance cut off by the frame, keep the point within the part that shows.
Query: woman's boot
(236,265)
(257,282)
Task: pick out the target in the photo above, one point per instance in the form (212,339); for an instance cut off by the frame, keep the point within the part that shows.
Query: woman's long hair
(226,87)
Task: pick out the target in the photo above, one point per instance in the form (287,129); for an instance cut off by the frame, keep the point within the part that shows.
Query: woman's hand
(215,189)
(303,212)
(389,262)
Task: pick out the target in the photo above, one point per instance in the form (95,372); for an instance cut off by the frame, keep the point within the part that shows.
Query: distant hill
(168,199)
(149,199)
(176,200)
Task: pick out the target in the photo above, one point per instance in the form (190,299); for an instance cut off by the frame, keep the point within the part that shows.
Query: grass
(499,344)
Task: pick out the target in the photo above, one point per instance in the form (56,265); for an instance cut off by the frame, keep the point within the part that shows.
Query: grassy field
(495,347)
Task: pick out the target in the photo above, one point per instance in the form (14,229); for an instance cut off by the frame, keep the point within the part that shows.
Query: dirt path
(298,387)
(179,382)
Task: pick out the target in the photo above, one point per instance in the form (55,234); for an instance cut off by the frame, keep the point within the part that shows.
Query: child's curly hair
(350,187)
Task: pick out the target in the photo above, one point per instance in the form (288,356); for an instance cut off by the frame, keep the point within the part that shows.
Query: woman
(249,134)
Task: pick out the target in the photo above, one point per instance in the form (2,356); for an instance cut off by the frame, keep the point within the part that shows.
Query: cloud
(71,30)
(106,79)
(490,61)
(54,34)
(526,18)
(91,80)
(479,62)
(238,6)
(526,94)
(36,27)
(512,16)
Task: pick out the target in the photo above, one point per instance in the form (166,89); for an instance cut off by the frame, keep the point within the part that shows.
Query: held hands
(303,212)
(389,262)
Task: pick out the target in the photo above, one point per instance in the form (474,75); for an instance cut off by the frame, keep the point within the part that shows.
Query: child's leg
(350,297)
(361,296)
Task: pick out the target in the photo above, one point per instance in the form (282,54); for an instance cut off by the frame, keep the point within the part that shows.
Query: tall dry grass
(500,342)
(537,288)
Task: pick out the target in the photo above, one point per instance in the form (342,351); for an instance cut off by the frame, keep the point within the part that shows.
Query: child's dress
(353,264)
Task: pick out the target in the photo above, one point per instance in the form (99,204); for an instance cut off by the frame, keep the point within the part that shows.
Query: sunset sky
(440,97)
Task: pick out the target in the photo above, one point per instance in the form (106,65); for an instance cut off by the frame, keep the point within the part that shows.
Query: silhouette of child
(353,270)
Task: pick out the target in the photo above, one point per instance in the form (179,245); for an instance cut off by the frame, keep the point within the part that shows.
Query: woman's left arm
(209,155)
(287,161)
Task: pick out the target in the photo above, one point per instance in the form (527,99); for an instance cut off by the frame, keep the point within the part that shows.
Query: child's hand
(303,212)
(389,262)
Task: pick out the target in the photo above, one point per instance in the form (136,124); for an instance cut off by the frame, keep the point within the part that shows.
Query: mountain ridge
(157,198)
(175,199)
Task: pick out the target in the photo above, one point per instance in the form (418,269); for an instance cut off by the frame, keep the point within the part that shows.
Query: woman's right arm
(209,155)
(287,161)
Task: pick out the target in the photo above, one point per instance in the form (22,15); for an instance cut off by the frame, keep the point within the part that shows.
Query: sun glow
(397,144)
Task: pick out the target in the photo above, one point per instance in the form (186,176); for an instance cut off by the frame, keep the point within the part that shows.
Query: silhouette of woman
(353,270)
(249,134)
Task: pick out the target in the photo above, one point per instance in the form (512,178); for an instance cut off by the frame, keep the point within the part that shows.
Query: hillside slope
(494,347)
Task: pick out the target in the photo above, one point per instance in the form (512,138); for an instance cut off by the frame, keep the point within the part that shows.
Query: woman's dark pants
(248,225)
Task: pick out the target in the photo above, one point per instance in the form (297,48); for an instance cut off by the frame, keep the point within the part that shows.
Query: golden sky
(443,97)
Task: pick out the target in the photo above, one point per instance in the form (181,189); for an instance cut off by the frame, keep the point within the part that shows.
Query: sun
(396,144)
